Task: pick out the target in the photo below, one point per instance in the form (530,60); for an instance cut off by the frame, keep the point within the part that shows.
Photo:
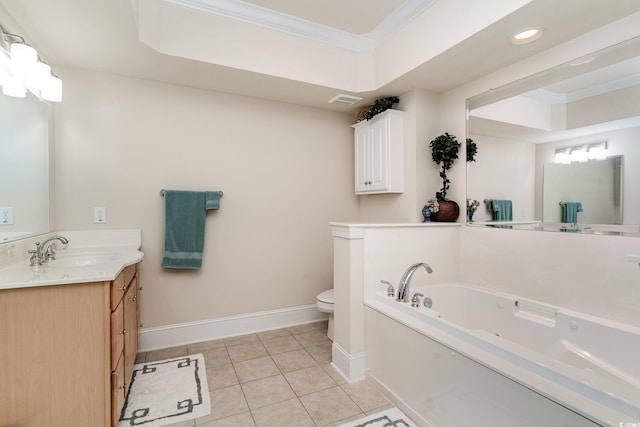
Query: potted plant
(444,151)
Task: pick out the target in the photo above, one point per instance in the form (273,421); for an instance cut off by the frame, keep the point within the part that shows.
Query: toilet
(324,303)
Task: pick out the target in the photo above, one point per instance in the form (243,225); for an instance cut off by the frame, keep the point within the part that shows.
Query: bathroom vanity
(68,345)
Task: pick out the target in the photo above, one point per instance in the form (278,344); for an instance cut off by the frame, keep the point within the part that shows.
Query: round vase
(448,212)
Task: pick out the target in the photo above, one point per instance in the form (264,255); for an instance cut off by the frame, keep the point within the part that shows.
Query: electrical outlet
(99,215)
(6,216)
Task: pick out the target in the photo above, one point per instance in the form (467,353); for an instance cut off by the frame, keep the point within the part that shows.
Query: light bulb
(23,58)
(52,91)
(39,77)
(14,87)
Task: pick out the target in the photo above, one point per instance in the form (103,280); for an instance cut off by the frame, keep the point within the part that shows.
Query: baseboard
(351,366)
(224,327)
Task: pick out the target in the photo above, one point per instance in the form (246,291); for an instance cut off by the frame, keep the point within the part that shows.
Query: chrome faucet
(403,287)
(44,253)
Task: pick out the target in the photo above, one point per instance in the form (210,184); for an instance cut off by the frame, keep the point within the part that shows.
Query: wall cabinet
(67,352)
(379,154)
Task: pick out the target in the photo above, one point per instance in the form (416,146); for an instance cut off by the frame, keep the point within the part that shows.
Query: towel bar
(162,193)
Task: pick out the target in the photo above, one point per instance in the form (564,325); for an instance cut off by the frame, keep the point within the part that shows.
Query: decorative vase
(448,212)
(426,214)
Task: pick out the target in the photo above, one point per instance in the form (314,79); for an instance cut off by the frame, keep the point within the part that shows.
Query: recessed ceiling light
(527,36)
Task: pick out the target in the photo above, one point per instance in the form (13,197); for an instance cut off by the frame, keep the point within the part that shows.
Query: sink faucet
(403,287)
(44,253)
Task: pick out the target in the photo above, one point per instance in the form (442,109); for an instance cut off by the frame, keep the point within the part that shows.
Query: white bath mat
(389,418)
(167,392)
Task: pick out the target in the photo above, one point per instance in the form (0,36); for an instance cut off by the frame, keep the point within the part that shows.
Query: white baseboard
(351,366)
(224,327)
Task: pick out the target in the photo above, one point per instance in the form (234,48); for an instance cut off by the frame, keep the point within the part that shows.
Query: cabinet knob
(141,325)
(124,331)
(124,288)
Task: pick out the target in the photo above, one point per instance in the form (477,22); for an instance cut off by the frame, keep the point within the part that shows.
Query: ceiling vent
(345,99)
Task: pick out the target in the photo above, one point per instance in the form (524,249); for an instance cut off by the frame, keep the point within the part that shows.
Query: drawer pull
(124,331)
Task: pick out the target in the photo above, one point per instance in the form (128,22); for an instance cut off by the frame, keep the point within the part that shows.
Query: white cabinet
(378,154)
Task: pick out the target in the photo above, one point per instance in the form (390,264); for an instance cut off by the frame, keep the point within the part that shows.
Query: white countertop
(89,257)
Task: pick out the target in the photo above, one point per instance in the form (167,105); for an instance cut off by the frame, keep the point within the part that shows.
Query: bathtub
(481,357)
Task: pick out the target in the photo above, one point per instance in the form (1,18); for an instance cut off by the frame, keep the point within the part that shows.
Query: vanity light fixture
(21,68)
(581,153)
(527,36)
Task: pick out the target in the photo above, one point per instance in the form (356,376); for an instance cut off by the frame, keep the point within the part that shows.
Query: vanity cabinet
(379,154)
(67,352)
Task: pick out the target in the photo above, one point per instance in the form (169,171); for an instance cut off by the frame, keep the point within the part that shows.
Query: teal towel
(502,210)
(570,212)
(184,216)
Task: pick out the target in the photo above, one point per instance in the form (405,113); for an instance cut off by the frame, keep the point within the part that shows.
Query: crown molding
(558,98)
(256,15)
(605,87)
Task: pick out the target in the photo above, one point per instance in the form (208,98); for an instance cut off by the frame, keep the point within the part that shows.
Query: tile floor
(276,378)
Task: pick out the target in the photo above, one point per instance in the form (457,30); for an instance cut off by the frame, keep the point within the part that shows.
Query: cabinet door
(130,302)
(379,155)
(362,159)
(118,334)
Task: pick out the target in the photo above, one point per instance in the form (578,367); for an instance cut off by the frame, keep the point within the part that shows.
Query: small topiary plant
(444,151)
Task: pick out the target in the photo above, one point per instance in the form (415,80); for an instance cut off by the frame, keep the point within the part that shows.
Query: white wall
(286,172)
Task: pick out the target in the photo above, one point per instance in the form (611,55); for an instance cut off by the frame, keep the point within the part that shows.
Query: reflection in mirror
(540,136)
(24,167)
(583,192)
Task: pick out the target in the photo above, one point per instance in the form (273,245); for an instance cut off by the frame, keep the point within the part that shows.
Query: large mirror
(560,150)
(24,167)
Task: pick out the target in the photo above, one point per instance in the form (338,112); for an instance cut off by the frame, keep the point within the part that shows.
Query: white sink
(84,259)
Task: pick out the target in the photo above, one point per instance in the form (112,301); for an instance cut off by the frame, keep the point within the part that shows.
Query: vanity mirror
(24,167)
(561,147)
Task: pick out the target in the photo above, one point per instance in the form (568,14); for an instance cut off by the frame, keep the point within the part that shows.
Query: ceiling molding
(267,18)
(551,97)
(605,87)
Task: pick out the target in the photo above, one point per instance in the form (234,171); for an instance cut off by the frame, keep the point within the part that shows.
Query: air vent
(345,99)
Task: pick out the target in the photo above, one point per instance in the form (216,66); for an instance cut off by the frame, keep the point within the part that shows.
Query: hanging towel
(570,212)
(502,210)
(184,216)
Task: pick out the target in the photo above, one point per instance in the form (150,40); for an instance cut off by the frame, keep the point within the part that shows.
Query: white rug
(390,418)
(167,392)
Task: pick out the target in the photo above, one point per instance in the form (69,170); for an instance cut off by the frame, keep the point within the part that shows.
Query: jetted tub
(545,363)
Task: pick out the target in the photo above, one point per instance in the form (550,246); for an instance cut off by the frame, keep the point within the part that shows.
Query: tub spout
(403,287)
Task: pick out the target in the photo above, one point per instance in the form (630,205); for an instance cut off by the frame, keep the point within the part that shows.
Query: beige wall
(421,125)
(286,172)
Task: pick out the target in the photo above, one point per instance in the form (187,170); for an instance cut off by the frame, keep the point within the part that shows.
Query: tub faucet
(403,287)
